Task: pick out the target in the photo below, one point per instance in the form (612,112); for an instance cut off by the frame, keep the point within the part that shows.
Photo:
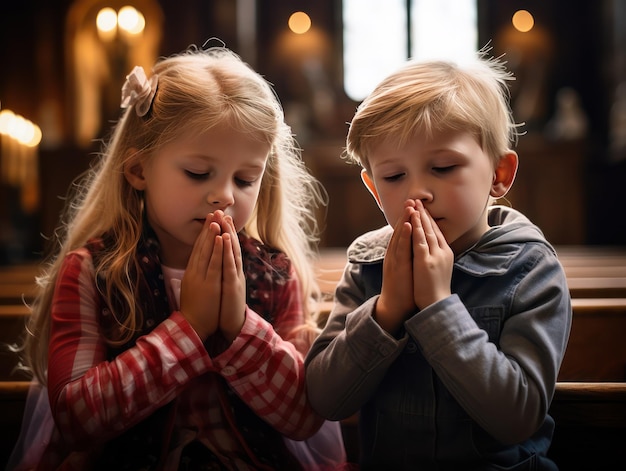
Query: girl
(172,322)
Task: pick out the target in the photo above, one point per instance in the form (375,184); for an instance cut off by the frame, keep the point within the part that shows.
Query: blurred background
(62,64)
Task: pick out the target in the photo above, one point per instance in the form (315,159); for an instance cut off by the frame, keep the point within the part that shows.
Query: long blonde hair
(197,89)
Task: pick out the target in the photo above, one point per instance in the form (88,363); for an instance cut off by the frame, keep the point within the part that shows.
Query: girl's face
(197,175)
(449,172)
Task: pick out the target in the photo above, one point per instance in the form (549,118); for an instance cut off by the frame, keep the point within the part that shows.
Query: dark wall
(587,50)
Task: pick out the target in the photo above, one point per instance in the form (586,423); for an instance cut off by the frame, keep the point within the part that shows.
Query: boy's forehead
(383,150)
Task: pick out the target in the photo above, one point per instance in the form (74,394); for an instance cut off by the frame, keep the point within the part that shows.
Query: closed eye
(444,170)
(196,176)
(244,183)
(393,178)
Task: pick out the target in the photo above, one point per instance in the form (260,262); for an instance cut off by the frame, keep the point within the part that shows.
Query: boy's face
(449,172)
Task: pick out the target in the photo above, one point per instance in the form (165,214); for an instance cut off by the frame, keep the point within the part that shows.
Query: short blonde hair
(436,95)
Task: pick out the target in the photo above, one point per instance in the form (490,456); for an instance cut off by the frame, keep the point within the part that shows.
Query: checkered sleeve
(94,398)
(267,372)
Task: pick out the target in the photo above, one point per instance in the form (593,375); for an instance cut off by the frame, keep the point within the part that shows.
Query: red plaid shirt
(93,400)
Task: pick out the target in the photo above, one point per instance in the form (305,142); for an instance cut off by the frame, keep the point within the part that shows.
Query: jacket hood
(509,232)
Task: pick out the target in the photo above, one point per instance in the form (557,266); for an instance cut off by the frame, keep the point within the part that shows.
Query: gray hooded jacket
(468,382)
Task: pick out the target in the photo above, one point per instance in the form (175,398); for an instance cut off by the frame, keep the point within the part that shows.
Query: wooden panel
(596,350)
(550,187)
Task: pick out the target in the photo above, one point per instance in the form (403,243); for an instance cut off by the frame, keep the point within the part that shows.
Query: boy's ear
(369,184)
(504,175)
(133,170)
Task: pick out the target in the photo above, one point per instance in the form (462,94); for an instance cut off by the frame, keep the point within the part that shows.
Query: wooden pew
(597,349)
(604,255)
(17,283)
(19,272)
(597,287)
(16,293)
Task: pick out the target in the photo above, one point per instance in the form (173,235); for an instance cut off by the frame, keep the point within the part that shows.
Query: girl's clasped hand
(215,273)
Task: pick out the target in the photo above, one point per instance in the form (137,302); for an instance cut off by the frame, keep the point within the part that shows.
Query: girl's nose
(221,196)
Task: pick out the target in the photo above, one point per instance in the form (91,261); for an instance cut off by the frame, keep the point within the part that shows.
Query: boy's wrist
(385,319)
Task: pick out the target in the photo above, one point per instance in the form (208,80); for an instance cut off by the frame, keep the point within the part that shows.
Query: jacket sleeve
(506,388)
(352,354)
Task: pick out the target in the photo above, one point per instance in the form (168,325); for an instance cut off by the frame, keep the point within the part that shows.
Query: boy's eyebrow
(381,164)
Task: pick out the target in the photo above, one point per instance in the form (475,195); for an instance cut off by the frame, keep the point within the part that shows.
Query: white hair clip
(139,91)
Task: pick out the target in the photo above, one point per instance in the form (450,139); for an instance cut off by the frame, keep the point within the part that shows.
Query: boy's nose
(420,191)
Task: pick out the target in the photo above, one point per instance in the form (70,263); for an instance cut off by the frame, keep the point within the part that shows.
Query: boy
(450,323)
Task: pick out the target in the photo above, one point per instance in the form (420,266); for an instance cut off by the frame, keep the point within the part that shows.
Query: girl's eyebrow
(260,165)
(255,166)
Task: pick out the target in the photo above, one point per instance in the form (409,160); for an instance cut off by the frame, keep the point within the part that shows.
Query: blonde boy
(450,323)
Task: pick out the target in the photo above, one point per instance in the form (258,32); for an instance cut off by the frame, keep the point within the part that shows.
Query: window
(378,37)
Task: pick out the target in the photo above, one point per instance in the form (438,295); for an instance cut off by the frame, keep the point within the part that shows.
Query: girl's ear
(504,175)
(133,170)
(369,184)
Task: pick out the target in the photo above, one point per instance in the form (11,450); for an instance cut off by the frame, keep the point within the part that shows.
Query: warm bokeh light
(6,117)
(106,20)
(35,136)
(128,19)
(131,20)
(19,128)
(299,22)
(523,21)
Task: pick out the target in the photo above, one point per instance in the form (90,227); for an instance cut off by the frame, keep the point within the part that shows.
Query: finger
(207,249)
(441,239)
(428,225)
(427,222)
(400,243)
(228,262)
(219,217)
(418,234)
(202,248)
(410,204)
(236,247)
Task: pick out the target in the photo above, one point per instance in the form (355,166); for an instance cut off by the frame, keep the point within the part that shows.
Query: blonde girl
(173,315)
